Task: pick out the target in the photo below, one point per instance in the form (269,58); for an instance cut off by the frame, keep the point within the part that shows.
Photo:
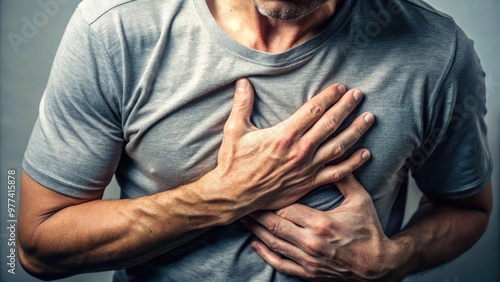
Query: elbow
(34,266)
(31,265)
(28,263)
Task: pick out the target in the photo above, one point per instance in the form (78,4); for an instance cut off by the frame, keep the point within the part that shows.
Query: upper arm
(481,201)
(77,140)
(456,162)
(36,204)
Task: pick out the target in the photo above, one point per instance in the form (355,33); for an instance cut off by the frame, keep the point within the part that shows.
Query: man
(142,89)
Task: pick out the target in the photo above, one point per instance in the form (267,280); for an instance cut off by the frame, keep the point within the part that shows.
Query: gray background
(25,68)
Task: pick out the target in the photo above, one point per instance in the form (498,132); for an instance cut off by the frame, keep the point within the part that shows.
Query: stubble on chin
(287,11)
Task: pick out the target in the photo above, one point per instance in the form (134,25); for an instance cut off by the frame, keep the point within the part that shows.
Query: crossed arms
(258,169)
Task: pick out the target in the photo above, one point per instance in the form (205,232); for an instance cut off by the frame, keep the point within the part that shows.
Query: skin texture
(257,169)
(342,243)
(348,242)
(280,10)
(243,21)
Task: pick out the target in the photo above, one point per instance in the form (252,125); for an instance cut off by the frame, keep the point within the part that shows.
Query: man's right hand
(257,169)
(274,167)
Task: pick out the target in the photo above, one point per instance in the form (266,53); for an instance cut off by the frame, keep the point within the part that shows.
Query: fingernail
(341,88)
(370,118)
(365,155)
(357,95)
(254,246)
(241,85)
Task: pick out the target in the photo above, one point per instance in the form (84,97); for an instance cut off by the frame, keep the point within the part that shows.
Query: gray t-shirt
(142,89)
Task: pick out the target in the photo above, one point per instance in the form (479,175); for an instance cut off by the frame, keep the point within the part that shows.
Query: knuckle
(241,103)
(275,246)
(338,149)
(314,109)
(273,226)
(282,143)
(360,130)
(283,213)
(322,227)
(313,247)
(302,152)
(332,92)
(349,105)
(337,175)
(331,123)
(298,153)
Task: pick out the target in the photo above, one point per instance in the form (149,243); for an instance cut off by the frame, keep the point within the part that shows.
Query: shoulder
(409,32)
(440,34)
(428,22)
(95,11)
(423,7)
(407,21)
(123,26)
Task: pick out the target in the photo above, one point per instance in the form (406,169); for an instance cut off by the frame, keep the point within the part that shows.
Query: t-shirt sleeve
(76,142)
(459,163)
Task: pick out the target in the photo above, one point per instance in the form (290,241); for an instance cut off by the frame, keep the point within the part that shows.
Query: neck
(241,20)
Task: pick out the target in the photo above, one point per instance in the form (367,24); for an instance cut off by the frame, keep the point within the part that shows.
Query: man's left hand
(346,243)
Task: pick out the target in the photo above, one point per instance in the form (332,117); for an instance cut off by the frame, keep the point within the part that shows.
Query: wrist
(211,194)
(399,258)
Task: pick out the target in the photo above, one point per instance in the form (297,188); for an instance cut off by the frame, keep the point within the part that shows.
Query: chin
(287,10)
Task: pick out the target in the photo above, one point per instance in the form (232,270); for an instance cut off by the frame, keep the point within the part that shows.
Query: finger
(279,226)
(299,214)
(282,265)
(332,119)
(349,186)
(274,242)
(312,111)
(337,146)
(242,106)
(334,173)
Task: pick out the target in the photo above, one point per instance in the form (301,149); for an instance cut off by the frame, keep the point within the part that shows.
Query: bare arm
(61,236)
(442,230)
(348,242)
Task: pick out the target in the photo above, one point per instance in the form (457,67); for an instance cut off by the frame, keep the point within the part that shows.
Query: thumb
(349,186)
(242,103)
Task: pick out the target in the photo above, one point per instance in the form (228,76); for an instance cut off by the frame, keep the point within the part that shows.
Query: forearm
(256,168)
(436,234)
(104,235)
